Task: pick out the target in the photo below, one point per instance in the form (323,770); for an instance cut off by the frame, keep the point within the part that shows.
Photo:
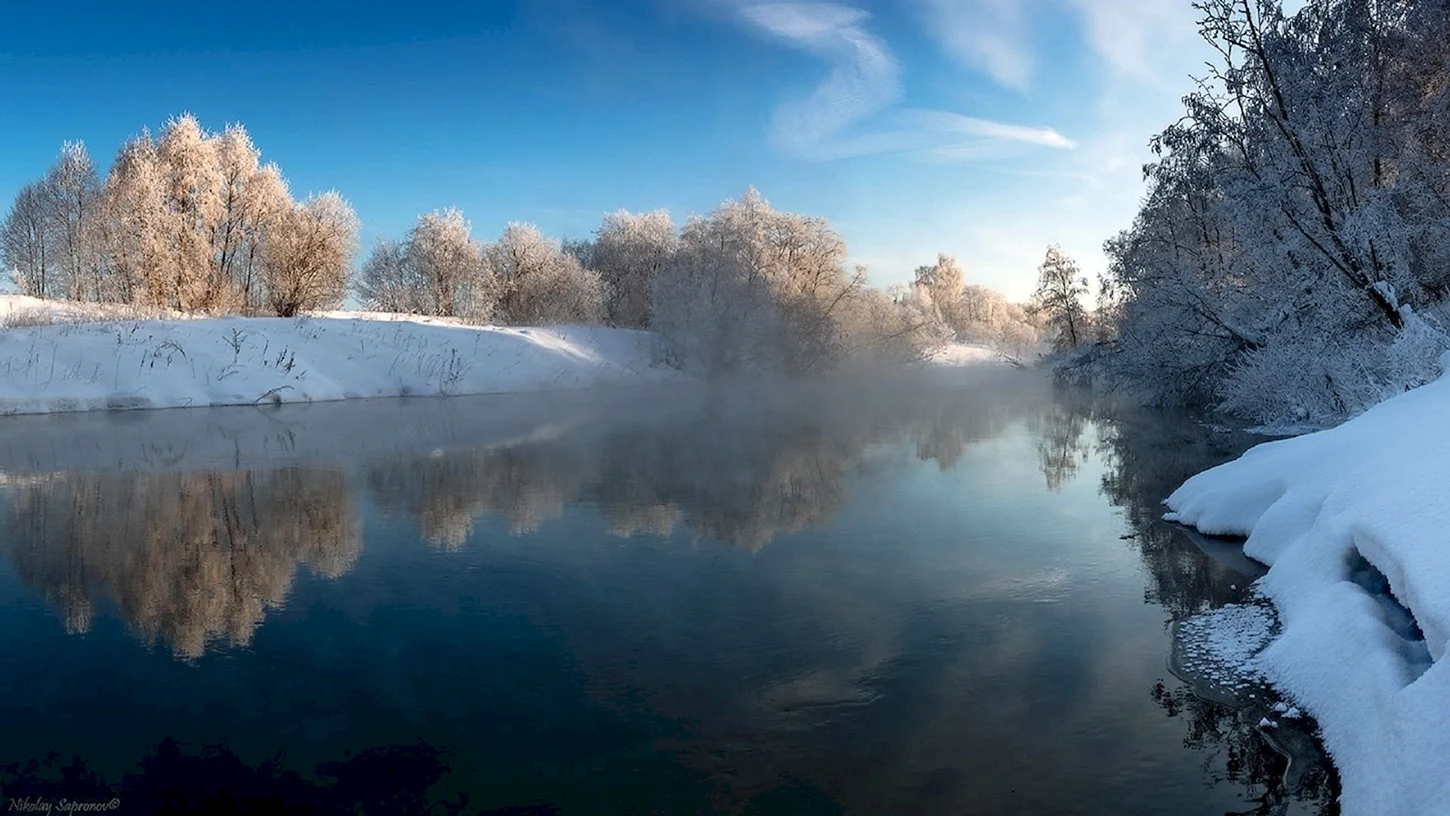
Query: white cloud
(864,84)
(1151,41)
(864,79)
(985,35)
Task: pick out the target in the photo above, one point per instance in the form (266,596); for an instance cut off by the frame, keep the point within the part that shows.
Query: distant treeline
(192,221)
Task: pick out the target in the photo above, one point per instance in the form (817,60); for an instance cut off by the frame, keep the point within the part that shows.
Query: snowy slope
(960,354)
(91,359)
(1335,514)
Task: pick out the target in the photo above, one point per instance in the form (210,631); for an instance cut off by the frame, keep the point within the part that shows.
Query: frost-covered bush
(538,283)
(880,329)
(628,251)
(754,289)
(1317,378)
(436,270)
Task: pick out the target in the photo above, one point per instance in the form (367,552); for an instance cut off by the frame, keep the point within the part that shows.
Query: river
(934,594)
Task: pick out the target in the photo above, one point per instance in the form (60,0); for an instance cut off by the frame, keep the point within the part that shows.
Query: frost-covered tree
(49,238)
(1060,288)
(181,221)
(71,193)
(437,269)
(191,181)
(134,222)
(308,255)
(628,252)
(879,328)
(25,243)
(986,318)
(386,282)
(1292,253)
(253,201)
(538,283)
(442,260)
(944,281)
(751,288)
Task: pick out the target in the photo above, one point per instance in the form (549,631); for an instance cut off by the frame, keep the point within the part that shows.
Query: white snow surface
(1376,487)
(59,357)
(953,355)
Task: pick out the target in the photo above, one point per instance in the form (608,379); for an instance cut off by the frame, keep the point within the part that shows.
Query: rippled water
(945,594)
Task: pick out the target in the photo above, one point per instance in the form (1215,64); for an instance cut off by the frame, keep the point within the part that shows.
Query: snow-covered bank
(1338,515)
(953,355)
(57,357)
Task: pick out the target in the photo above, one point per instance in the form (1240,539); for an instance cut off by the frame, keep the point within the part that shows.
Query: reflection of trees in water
(188,558)
(1247,757)
(1061,447)
(196,557)
(739,472)
(446,492)
(944,430)
(1146,455)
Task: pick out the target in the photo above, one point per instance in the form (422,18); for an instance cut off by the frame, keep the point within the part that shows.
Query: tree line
(193,221)
(189,221)
(1291,259)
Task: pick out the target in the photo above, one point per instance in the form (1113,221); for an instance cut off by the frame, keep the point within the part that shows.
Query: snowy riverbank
(58,357)
(1353,522)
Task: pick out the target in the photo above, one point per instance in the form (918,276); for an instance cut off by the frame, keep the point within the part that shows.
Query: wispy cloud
(852,113)
(985,35)
(1141,38)
(864,79)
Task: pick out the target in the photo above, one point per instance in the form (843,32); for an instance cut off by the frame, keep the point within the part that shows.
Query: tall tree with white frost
(71,192)
(943,282)
(438,271)
(253,200)
(49,240)
(185,221)
(1060,288)
(133,225)
(386,282)
(25,243)
(192,183)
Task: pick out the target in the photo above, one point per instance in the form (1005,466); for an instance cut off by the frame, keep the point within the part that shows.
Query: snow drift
(58,357)
(1355,525)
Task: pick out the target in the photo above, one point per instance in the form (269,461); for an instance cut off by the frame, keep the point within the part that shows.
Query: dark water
(944,596)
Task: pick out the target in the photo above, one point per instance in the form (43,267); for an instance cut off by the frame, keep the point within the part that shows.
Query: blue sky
(982,128)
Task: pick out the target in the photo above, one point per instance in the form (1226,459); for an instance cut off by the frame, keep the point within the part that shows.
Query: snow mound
(1353,522)
(77,357)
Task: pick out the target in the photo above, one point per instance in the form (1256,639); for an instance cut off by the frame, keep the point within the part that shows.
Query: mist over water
(929,593)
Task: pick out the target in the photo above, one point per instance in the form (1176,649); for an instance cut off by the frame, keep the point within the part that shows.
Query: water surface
(937,595)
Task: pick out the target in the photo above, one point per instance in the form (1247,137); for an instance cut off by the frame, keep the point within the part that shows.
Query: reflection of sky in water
(915,622)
